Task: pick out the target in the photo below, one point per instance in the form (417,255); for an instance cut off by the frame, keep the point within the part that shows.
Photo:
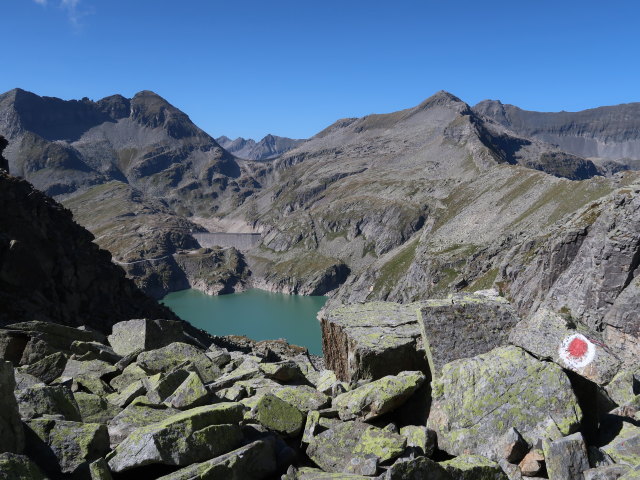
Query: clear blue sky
(248,68)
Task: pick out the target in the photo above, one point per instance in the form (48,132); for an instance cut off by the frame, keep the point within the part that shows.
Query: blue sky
(248,68)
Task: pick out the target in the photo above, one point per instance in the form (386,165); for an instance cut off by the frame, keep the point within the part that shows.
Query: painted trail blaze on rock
(577,351)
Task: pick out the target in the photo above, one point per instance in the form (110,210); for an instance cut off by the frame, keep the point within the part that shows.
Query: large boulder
(303,397)
(94,408)
(171,356)
(355,447)
(624,448)
(464,325)
(11,433)
(136,416)
(473,467)
(566,458)
(378,397)
(477,400)
(255,461)
(277,415)
(60,446)
(18,467)
(41,400)
(416,468)
(188,437)
(144,334)
(371,340)
(48,368)
(551,336)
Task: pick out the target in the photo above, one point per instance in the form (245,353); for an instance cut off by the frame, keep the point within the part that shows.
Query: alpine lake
(258,314)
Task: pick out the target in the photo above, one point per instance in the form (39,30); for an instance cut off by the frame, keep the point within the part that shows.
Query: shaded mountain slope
(51,270)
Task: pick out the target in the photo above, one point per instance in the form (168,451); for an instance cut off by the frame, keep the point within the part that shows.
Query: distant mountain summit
(268,148)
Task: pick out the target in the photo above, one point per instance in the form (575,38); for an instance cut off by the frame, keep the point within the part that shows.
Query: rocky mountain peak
(441,99)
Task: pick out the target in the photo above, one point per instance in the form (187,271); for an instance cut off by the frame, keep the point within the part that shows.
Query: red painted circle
(577,348)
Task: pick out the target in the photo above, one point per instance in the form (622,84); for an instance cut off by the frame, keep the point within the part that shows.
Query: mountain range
(401,206)
(269,147)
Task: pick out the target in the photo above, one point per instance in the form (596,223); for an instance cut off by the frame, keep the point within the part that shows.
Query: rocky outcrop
(50,269)
(372,340)
(464,326)
(477,400)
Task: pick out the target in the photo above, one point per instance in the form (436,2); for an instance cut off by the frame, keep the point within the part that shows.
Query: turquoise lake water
(258,314)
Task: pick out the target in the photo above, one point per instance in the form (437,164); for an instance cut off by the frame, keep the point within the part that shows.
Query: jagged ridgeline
(531,369)
(401,206)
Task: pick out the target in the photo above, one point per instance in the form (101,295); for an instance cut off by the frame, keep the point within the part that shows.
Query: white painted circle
(577,351)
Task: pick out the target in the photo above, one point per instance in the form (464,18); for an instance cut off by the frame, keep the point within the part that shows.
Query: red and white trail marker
(577,351)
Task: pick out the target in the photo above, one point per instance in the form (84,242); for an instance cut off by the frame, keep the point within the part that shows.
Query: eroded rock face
(477,400)
(371,340)
(463,326)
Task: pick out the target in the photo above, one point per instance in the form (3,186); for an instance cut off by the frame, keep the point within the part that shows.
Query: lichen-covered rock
(18,467)
(99,470)
(144,334)
(130,374)
(94,408)
(126,396)
(609,472)
(172,356)
(303,397)
(476,400)
(566,458)
(462,326)
(378,397)
(136,416)
(247,370)
(188,437)
(40,400)
(416,468)
(97,369)
(94,351)
(307,473)
(160,386)
(284,371)
(189,394)
(371,340)
(625,447)
(255,461)
(277,415)
(73,444)
(473,467)
(625,386)
(551,336)
(48,368)
(354,447)
(420,439)
(11,434)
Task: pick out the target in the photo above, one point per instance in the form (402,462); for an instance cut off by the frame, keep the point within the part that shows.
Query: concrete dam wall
(241,241)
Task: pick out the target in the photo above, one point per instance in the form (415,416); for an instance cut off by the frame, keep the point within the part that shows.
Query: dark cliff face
(4,165)
(51,270)
(609,132)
